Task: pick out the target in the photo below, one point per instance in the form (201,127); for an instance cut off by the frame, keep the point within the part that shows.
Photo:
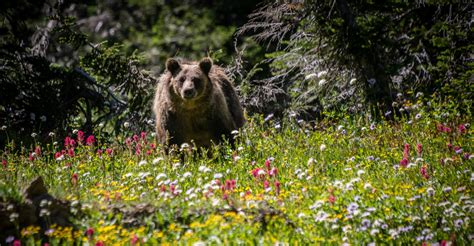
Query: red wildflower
(17,243)
(462,129)
(404,162)
(153,146)
(89,232)
(109,151)
(172,188)
(38,150)
(143,135)
(128,141)
(266,184)
(134,239)
(32,156)
(267,163)
(69,142)
(99,243)
(70,152)
(4,163)
(419,149)
(80,136)
(230,184)
(57,155)
(424,172)
(90,140)
(277,187)
(331,198)
(440,127)
(273,172)
(406,151)
(135,138)
(138,149)
(74,179)
(450,146)
(255,172)
(99,152)
(163,188)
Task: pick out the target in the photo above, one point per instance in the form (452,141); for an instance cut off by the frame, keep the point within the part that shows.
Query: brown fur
(211,110)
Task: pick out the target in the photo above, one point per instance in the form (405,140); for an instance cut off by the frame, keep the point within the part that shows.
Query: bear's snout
(189,93)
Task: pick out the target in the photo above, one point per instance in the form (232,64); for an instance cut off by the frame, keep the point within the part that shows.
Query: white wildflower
(322,147)
(322,73)
(322,82)
(157,160)
(310,76)
(160,176)
(430,191)
(447,189)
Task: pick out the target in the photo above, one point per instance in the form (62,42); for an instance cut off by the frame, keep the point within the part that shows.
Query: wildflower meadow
(342,180)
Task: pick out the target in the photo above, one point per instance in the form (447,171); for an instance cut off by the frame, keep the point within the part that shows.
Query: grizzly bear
(195,103)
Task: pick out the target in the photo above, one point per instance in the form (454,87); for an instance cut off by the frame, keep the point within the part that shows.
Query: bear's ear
(205,64)
(173,66)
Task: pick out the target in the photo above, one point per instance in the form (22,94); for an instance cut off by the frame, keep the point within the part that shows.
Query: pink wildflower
(331,198)
(267,163)
(135,138)
(273,172)
(57,155)
(90,140)
(38,150)
(462,129)
(109,151)
(406,151)
(419,149)
(138,149)
(458,150)
(277,187)
(89,232)
(134,239)
(450,146)
(70,152)
(424,172)
(404,162)
(128,141)
(4,163)
(80,136)
(266,184)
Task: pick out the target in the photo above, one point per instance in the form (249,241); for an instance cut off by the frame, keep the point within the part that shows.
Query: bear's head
(189,80)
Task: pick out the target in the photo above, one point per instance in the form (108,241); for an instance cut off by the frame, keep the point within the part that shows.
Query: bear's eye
(181,79)
(196,80)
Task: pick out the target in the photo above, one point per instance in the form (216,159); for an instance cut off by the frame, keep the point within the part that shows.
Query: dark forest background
(94,65)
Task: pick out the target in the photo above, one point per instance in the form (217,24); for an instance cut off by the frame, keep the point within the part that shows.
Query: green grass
(339,181)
